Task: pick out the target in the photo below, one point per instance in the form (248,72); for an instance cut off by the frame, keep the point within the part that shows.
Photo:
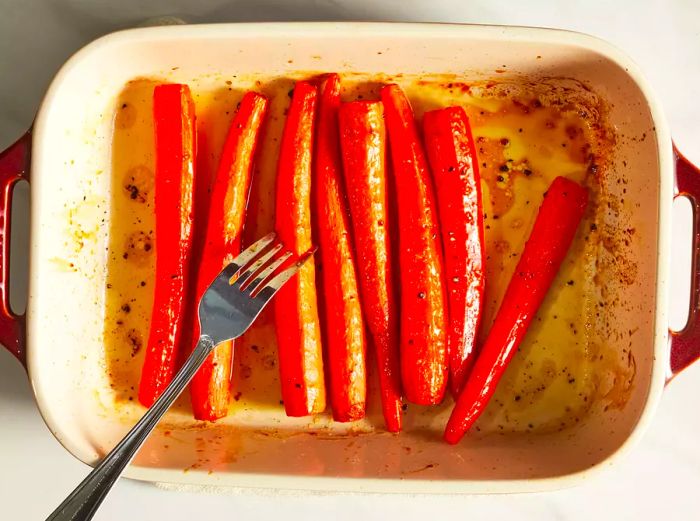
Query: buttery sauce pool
(526,135)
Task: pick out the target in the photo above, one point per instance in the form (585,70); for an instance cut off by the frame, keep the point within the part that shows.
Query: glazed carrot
(450,147)
(223,221)
(423,301)
(554,229)
(174,119)
(296,312)
(363,143)
(345,329)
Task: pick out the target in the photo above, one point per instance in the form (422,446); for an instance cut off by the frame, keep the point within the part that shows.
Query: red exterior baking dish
(67,160)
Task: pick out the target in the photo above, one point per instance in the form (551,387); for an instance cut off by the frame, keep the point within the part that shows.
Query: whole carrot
(296,312)
(223,222)
(559,216)
(423,304)
(345,329)
(174,118)
(450,147)
(363,143)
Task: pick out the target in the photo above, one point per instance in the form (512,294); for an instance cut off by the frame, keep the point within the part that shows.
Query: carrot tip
(452,438)
(395,429)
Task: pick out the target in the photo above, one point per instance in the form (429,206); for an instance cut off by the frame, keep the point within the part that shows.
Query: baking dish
(60,340)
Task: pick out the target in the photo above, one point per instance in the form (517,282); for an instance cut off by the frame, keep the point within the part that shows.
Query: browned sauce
(526,135)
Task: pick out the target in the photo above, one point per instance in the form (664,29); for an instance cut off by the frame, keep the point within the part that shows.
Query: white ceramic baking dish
(61,338)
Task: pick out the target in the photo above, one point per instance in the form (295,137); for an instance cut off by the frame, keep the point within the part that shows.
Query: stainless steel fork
(226,311)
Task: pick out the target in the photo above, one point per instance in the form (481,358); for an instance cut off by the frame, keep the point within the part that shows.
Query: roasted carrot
(344,326)
(455,169)
(554,229)
(423,300)
(363,143)
(174,118)
(296,312)
(223,221)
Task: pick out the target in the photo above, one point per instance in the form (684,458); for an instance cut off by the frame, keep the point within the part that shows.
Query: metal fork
(226,311)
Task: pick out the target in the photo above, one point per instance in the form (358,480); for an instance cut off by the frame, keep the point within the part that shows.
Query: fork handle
(84,501)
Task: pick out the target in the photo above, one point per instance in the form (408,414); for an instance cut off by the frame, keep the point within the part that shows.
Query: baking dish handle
(685,344)
(14,167)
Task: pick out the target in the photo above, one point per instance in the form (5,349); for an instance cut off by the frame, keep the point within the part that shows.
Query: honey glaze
(526,135)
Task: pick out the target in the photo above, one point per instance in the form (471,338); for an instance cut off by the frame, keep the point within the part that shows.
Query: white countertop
(659,479)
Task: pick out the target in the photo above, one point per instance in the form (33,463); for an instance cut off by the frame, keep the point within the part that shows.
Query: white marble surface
(660,479)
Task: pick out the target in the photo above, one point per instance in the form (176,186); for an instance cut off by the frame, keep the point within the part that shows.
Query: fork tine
(246,256)
(274,284)
(226,310)
(259,280)
(255,267)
